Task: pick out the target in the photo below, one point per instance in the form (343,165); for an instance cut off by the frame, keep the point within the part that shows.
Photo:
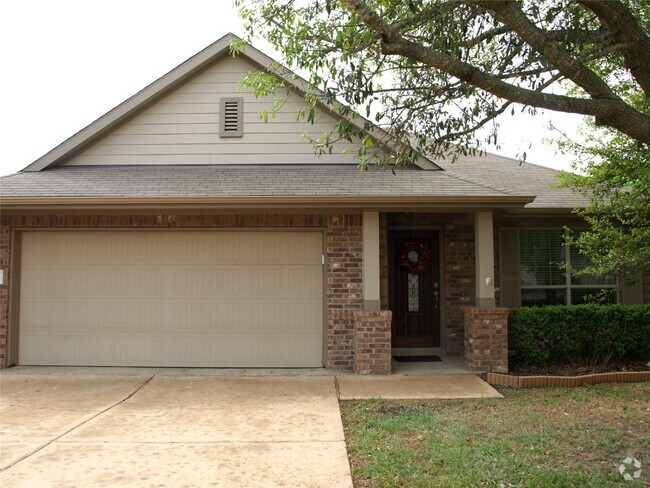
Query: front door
(414,287)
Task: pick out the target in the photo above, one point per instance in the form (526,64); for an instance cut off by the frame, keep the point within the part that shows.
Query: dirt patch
(397,409)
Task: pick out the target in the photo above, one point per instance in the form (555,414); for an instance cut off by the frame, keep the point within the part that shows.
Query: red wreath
(424,257)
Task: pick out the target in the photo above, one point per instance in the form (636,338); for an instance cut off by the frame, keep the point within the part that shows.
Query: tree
(613,172)
(437,74)
(434,72)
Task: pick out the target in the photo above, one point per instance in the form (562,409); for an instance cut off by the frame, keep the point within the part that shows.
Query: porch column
(484,245)
(371,301)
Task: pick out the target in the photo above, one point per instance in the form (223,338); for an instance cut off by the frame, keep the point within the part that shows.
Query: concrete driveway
(150,430)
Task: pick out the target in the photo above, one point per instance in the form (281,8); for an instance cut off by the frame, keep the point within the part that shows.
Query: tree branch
(605,106)
(626,31)
(511,14)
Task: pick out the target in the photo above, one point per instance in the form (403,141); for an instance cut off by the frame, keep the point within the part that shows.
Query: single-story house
(179,229)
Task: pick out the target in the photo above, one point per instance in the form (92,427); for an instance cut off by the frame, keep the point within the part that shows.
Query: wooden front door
(414,287)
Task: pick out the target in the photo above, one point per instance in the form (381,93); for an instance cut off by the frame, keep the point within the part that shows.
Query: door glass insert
(413,292)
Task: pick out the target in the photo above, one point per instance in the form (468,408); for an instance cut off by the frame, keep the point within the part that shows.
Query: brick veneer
(343,248)
(5,255)
(372,338)
(486,339)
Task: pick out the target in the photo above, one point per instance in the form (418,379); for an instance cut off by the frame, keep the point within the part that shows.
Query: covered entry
(171,298)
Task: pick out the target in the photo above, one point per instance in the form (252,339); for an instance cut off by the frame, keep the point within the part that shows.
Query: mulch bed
(576,369)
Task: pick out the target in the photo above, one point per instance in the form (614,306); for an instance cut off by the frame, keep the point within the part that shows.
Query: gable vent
(232,114)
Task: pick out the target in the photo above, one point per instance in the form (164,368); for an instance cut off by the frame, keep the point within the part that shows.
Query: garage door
(203,299)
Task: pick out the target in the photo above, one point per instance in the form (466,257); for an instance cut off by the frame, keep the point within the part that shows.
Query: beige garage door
(210,299)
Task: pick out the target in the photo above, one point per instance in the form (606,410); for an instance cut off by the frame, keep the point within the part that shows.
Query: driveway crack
(75,427)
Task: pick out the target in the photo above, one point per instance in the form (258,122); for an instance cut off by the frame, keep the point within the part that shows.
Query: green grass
(531,438)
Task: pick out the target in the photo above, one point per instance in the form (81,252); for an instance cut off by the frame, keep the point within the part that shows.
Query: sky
(67,62)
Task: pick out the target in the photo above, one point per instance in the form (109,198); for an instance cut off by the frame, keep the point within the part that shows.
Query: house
(181,230)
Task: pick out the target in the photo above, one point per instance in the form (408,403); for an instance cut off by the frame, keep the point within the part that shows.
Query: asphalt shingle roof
(239,180)
(526,178)
(484,176)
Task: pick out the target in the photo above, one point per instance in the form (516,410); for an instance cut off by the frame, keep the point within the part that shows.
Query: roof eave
(263,202)
(544,210)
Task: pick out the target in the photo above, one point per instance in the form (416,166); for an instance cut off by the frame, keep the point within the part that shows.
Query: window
(545,272)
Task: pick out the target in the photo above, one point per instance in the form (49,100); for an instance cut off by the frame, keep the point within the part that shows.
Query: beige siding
(204,299)
(183,128)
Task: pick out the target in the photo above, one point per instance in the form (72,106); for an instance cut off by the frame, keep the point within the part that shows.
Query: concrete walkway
(150,427)
(414,387)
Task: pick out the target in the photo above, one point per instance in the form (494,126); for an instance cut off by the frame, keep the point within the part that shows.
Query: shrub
(579,334)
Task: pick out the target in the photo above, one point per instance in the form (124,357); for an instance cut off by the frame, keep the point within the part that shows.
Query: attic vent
(232,114)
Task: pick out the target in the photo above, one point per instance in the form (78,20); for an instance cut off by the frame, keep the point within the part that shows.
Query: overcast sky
(67,62)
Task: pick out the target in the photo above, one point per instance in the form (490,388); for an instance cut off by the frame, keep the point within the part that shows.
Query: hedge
(593,334)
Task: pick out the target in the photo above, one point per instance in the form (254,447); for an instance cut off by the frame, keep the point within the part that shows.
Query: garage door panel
(121,305)
(202,282)
(97,317)
(62,281)
(198,351)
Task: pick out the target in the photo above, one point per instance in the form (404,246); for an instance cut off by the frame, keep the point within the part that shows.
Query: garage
(171,298)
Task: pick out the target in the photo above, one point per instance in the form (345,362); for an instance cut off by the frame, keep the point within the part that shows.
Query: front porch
(444,301)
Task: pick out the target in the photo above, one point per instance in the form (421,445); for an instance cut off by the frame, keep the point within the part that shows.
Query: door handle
(436,295)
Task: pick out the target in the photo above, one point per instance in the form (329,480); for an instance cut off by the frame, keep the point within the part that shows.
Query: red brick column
(340,339)
(372,341)
(486,339)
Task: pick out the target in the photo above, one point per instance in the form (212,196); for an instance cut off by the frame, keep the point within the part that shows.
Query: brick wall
(459,270)
(373,342)
(457,266)
(343,248)
(5,256)
(486,339)
(344,287)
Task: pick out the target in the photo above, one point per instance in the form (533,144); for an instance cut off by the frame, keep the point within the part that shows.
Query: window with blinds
(548,269)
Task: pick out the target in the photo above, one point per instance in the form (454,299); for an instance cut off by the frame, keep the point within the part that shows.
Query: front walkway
(445,379)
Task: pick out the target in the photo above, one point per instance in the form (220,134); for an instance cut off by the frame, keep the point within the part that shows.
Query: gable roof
(163,85)
(478,180)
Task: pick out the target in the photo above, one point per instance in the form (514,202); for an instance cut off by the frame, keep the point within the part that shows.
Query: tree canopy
(437,74)
(434,72)
(613,171)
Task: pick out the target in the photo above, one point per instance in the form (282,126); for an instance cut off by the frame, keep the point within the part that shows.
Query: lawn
(530,438)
